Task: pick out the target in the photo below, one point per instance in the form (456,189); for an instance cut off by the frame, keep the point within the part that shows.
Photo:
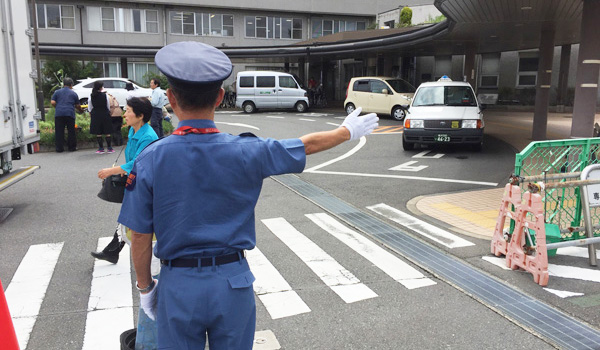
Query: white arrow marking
(423,155)
(408,167)
(563,293)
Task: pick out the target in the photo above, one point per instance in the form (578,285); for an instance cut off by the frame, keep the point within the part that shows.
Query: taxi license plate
(442,138)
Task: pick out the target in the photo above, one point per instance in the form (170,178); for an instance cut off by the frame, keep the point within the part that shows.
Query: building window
(56,16)
(191,23)
(490,70)
(111,19)
(141,72)
(528,67)
(273,27)
(321,27)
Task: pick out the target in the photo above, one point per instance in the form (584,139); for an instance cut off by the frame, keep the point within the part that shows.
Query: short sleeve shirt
(66,99)
(198,192)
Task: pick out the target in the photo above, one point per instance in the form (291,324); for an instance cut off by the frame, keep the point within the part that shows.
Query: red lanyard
(184,130)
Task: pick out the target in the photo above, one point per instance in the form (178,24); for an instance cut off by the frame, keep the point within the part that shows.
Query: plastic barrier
(511,200)
(520,254)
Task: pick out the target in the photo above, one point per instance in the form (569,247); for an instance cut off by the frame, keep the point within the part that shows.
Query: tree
(55,71)
(405,17)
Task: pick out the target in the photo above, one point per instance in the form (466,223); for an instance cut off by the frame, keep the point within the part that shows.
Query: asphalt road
(59,204)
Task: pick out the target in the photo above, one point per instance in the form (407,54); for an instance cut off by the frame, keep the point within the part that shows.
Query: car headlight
(414,124)
(469,124)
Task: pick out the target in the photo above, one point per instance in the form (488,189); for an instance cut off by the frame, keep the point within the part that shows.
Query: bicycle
(228,100)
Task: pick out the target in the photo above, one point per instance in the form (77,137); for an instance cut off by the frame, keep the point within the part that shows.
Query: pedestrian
(116,119)
(137,116)
(100,124)
(203,215)
(158,102)
(65,101)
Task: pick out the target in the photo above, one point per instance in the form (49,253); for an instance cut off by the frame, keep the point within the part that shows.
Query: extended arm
(141,253)
(353,128)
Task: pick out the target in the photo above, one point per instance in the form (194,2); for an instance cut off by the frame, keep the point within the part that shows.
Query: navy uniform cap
(190,65)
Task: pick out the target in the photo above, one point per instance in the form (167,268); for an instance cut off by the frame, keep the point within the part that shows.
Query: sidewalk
(474,213)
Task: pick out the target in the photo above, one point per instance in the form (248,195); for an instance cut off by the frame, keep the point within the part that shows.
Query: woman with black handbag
(137,115)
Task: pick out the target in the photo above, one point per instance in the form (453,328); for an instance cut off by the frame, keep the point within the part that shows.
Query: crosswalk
(110,308)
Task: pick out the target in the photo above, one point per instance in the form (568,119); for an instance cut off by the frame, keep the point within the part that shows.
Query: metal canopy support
(544,79)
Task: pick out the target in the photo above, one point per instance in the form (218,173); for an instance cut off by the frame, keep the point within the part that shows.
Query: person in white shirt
(158,101)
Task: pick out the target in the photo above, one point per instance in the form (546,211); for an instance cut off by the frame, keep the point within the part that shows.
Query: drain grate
(551,324)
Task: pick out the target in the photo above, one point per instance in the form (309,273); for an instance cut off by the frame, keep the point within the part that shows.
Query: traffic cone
(8,337)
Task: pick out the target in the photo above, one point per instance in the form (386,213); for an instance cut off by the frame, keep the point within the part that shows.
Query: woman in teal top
(137,115)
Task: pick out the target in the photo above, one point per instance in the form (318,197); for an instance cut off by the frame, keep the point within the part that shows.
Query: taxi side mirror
(385,91)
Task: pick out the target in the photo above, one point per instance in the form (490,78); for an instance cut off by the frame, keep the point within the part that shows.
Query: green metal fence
(562,205)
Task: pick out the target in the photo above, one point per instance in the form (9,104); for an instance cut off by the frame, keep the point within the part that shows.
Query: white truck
(19,115)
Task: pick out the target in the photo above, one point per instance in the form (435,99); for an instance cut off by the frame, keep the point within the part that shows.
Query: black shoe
(111,252)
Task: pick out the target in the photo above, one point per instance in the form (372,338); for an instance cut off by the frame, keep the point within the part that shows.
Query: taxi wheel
(249,107)
(301,107)
(407,146)
(399,113)
(350,108)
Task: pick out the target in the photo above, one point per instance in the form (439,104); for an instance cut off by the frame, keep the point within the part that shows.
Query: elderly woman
(137,115)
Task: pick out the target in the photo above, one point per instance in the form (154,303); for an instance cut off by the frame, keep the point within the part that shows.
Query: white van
(262,89)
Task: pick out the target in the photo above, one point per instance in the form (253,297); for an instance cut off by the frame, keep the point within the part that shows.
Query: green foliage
(55,71)
(164,83)
(82,125)
(436,19)
(405,17)
(372,26)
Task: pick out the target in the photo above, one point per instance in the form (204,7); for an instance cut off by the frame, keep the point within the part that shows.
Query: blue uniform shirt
(136,142)
(198,192)
(66,99)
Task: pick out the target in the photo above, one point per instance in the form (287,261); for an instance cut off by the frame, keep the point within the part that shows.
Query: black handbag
(113,187)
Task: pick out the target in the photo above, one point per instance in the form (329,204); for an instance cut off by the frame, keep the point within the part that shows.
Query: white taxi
(444,112)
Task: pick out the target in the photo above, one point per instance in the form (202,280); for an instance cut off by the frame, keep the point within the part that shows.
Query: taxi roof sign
(444,78)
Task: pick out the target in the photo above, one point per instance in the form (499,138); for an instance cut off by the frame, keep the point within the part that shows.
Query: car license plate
(442,138)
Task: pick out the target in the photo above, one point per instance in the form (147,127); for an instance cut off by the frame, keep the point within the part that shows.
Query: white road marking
(265,340)
(578,273)
(362,141)
(580,252)
(339,117)
(314,114)
(424,155)
(397,269)
(239,124)
(306,120)
(421,227)
(110,307)
(26,291)
(274,117)
(408,167)
(406,177)
(334,124)
(272,289)
(563,293)
(226,112)
(334,275)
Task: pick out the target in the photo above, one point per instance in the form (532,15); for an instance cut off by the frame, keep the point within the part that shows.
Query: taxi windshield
(445,96)
(400,85)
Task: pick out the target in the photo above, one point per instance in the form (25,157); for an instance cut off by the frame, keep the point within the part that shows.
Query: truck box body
(18,110)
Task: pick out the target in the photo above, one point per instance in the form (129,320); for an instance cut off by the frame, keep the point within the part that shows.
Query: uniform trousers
(156,121)
(217,301)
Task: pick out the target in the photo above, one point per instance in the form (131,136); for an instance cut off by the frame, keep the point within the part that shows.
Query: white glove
(360,126)
(148,302)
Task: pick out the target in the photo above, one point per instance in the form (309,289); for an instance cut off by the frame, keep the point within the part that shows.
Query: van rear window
(265,82)
(247,82)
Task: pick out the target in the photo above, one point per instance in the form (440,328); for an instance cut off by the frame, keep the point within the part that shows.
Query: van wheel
(249,107)
(407,146)
(350,108)
(301,107)
(399,113)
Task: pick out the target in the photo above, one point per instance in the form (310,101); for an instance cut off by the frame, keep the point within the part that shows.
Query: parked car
(444,112)
(263,89)
(382,95)
(120,88)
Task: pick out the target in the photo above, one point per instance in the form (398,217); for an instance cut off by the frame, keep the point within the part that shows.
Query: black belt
(217,260)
